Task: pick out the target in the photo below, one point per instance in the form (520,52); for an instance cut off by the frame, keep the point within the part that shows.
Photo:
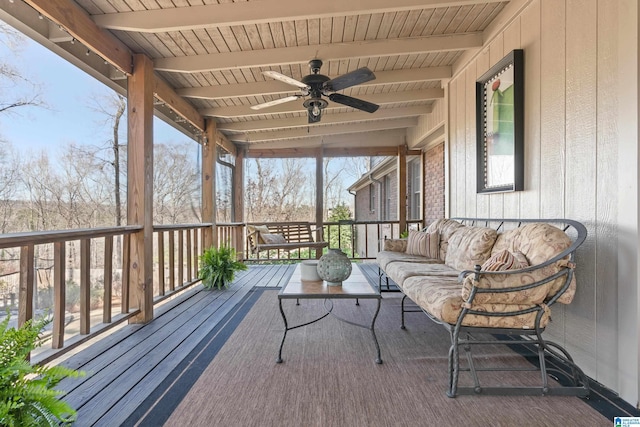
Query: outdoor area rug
(329,377)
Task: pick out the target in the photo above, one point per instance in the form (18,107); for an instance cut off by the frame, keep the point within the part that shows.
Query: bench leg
(404,297)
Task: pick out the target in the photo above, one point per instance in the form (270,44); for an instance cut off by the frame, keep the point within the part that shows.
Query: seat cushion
(385,257)
(441,297)
(399,271)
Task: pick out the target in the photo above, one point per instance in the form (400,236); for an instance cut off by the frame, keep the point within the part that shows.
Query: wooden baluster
(180,257)
(108,279)
(27,272)
(172,261)
(57,337)
(189,260)
(85,287)
(161,262)
(126,260)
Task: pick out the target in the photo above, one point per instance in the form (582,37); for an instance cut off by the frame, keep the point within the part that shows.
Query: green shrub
(27,395)
(218,267)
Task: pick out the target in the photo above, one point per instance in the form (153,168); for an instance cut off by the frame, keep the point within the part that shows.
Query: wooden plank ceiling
(209,56)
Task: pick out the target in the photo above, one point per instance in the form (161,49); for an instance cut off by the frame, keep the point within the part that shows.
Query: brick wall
(362,205)
(434,184)
(392,215)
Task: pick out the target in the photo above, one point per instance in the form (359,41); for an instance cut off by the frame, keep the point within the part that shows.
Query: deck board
(124,367)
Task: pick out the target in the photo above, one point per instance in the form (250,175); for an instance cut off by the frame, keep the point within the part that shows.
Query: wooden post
(140,185)
(402,188)
(238,201)
(209,155)
(319,199)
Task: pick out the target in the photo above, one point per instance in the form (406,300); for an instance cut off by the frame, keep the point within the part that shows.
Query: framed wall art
(500,126)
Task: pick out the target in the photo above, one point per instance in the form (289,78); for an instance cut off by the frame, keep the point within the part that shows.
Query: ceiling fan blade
(286,79)
(353,78)
(274,102)
(356,103)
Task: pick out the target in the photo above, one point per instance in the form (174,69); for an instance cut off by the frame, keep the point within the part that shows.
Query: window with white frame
(414,178)
(372,198)
(386,182)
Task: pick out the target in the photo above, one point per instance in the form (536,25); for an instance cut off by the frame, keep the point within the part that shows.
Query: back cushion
(539,242)
(446,228)
(470,246)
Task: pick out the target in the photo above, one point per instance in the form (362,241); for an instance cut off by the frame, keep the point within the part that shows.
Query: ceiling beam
(383,138)
(296,107)
(326,152)
(166,94)
(257,12)
(274,87)
(370,126)
(326,52)
(327,119)
(80,26)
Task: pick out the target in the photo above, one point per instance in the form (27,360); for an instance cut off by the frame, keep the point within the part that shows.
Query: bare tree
(22,92)
(279,190)
(175,184)
(112,107)
(9,184)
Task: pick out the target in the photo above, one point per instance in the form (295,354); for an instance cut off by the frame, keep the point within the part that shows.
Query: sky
(67,91)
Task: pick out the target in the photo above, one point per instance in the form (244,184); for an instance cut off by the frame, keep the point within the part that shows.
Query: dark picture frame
(500,126)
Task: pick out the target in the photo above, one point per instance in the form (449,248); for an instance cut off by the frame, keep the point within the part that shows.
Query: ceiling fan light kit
(316,85)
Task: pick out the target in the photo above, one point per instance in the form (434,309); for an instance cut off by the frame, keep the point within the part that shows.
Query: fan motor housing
(315,82)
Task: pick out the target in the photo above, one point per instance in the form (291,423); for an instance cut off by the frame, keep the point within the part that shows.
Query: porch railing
(79,278)
(360,240)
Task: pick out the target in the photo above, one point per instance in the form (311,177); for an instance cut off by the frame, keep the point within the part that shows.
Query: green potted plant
(218,267)
(27,394)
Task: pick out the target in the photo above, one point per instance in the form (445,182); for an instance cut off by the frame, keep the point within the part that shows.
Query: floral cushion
(395,245)
(440,296)
(272,239)
(423,244)
(384,258)
(446,228)
(470,246)
(540,242)
(400,271)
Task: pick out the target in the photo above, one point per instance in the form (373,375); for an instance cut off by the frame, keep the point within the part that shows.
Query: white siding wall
(577,86)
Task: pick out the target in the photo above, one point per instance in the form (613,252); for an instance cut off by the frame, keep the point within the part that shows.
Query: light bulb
(316,110)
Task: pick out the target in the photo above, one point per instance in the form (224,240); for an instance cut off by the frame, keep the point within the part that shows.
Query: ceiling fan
(317,85)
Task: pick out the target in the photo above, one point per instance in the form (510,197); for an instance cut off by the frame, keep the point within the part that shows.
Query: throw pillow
(505,260)
(259,229)
(272,239)
(423,244)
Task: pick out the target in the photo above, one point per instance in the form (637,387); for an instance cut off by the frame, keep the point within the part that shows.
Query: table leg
(286,328)
(373,332)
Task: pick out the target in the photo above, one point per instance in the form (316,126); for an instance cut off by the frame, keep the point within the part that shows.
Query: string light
(88,52)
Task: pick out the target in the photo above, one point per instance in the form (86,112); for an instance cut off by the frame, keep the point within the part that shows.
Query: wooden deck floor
(124,367)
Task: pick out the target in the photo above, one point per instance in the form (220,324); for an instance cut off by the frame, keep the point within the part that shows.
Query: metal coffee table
(356,287)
